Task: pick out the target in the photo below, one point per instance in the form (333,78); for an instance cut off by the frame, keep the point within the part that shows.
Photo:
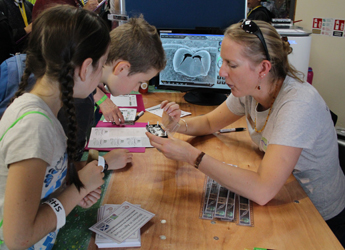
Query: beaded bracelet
(59,211)
(100,101)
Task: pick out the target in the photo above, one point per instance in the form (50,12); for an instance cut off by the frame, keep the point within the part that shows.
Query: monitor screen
(193,63)
(188,14)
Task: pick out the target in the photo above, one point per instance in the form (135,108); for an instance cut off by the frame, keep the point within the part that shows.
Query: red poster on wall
(317,23)
(339,25)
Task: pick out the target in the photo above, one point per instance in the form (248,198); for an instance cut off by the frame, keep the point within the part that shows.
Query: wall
(327,55)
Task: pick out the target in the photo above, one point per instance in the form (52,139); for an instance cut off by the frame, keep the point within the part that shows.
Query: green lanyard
(21,117)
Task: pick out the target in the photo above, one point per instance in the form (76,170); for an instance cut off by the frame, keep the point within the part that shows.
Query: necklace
(253,10)
(268,116)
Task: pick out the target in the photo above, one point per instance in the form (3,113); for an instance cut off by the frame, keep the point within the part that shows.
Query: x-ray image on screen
(193,60)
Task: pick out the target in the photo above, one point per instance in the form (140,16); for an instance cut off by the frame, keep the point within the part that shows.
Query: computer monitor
(188,14)
(193,63)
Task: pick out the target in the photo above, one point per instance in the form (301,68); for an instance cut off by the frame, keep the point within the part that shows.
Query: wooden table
(173,191)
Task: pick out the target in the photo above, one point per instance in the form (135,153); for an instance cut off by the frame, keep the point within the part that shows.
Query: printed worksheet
(129,114)
(133,241)
(158,111)
(118,137)
(124,100)
(122,223)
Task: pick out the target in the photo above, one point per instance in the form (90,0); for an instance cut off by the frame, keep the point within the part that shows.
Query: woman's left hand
(91,198)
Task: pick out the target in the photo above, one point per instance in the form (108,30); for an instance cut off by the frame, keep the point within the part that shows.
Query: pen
(139,115)
(228,130)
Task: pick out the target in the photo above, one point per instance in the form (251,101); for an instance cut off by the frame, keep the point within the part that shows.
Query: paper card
(124,100)
(122,223)
(103,212)
(158,111)
(118,137)
(128,113)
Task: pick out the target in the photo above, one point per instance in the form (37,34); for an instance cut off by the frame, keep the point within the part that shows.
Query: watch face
(105,166)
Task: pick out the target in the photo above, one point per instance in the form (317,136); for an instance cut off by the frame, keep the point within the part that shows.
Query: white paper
(129,114)
(119,226)
(124,100)
(133,241)
(158,111)
(118,137)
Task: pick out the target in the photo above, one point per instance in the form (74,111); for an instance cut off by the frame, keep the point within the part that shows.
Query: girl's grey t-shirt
(34,136)
(300,118)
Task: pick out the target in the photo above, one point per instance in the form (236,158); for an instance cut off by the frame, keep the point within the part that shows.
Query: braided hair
(62,38)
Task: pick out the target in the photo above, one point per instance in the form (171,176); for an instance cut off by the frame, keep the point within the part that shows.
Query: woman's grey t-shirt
(300,118)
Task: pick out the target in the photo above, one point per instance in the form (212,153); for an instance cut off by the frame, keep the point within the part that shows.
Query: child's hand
(111,112)
(91,176)
(91,198)
(118,158)
(171,116)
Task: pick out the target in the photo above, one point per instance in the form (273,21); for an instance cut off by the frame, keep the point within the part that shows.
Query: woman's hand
(91,176)
(174,149)
(118,158)
(91,198)
(171,116)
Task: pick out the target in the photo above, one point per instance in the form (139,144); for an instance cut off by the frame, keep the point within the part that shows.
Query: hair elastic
(59,211)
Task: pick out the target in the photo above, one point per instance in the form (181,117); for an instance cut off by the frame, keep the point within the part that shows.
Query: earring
(262,76)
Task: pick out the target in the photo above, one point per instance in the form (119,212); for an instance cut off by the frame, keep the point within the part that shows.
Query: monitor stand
(204,99)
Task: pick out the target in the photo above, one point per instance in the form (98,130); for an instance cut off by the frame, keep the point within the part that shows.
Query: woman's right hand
(171,115)
(91,176)
(174,149)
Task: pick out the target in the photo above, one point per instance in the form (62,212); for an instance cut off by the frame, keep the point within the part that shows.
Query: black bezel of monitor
(199,95)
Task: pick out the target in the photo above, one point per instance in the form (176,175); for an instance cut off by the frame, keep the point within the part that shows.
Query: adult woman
(286,118)
(67,50)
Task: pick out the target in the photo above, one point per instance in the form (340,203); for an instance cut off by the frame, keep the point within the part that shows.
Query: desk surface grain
(173,192)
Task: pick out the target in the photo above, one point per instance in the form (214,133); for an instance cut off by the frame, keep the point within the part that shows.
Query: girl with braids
(286,118)
(67,50)
(109,110)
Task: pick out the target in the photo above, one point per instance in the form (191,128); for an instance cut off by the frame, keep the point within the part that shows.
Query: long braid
(33,57)
(23,84)
(55,56)
(66,87)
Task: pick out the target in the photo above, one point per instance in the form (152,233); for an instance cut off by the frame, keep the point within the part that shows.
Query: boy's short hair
(138,43)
